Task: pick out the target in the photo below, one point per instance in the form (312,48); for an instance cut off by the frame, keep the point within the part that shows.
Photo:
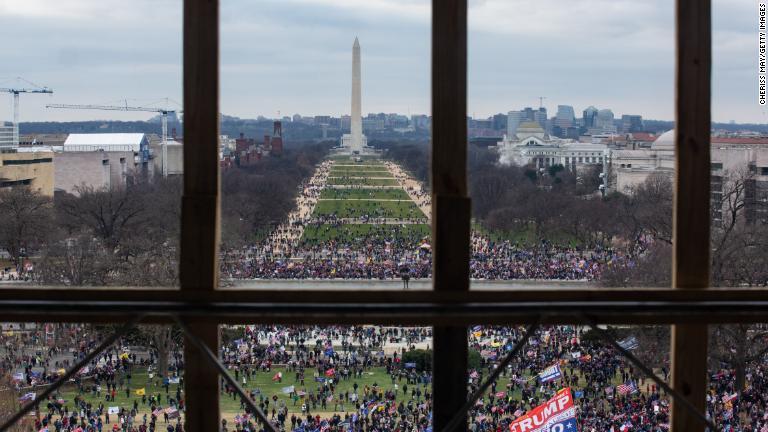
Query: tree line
(129,236)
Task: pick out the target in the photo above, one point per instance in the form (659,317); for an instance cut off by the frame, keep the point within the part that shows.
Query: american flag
(628,387)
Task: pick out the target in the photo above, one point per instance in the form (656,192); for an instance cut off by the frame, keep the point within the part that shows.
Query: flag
(473,375)
(728,398)
(410,365)
(174,380)
(578,394)
(172,413)
(551,373)
(287,390)
(628,387)
(330,372)
(277,376)
(500,394)
(141,392)
(629,343)
(28,397)
(113,410)
(18,376)
(556,414)
(477,327)
(157,412)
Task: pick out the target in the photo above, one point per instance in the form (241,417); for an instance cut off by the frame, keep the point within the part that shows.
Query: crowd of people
(321,366)
(381,255)
(394,250)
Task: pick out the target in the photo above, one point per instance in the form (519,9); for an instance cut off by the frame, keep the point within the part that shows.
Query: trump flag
(555,415)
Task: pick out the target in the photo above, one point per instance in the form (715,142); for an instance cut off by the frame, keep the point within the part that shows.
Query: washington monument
(355,141)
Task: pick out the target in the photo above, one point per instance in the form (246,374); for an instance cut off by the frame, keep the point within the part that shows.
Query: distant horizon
(150,118)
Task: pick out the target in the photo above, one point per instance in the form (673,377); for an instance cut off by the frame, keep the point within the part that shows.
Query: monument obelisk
(356,121)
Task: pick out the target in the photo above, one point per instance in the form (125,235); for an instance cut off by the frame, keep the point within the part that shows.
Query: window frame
(689,304)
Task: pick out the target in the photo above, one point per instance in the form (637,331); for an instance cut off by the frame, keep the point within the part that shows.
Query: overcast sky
(294,56)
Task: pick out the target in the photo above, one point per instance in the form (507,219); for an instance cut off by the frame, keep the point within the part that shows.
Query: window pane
(324,146)
(736,368)
(310,377)
(571,160)
(136,381)
(739,186)
(90,193)
(573,366)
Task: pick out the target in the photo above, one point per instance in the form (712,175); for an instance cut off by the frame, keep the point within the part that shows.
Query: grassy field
(388,194)
(358,173)
(354,209)
(315,234)
(362,181)
(262,382)
(366,160)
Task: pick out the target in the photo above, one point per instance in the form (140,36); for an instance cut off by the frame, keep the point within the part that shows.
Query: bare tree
(26,221)
(108,213)
(738,346)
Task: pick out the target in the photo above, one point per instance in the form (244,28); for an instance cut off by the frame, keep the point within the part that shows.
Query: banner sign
(113,410)
(551,373)
(556,415)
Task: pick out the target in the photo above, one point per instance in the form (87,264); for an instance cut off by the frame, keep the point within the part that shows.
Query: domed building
(631,167)
(531,145)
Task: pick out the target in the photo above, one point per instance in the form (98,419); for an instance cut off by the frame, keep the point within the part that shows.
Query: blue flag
(551,373)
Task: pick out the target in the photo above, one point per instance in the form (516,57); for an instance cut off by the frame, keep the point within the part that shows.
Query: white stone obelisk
(356,121)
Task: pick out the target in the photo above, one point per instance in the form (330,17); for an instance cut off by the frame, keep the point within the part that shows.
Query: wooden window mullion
(200,204)
(450,204)
(691,220)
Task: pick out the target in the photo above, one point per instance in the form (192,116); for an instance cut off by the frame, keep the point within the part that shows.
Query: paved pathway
(413,187)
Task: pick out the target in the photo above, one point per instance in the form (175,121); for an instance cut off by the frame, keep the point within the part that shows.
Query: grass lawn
(268,388)
(364,194)
(354,209)
(315,234)
(366,160)
(362,181)
(359,173)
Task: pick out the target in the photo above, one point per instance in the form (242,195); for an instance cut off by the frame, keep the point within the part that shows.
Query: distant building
(173,152)
(420,122)
(604,121)
(565,117)
(514,118)
(729,156)
(589,117)
(631,123)
(531,145)
(73,170)
(6,135)
(500,122)
(128,153)
(33,169)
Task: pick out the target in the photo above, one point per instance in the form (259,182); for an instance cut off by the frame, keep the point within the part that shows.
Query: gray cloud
(294,55)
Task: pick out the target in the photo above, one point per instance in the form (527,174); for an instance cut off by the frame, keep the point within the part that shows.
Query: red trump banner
(555,415)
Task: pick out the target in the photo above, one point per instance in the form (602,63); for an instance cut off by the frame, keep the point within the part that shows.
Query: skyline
(293,56)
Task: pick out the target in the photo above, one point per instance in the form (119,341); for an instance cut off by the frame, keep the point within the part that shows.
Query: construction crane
(164,113)
(16,92)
